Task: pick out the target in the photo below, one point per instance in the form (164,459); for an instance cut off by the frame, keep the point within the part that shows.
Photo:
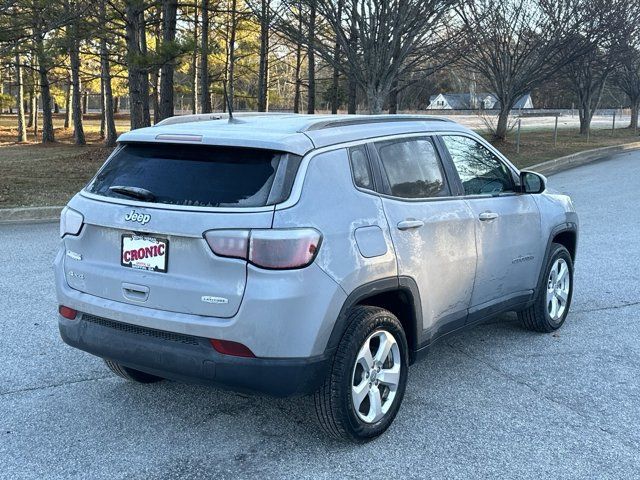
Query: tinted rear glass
(192,175)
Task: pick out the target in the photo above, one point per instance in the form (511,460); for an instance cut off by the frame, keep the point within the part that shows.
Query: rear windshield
(194,175)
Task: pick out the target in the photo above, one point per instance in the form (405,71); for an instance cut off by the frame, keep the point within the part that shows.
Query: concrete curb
(30,215)
(52,214)
(581,158)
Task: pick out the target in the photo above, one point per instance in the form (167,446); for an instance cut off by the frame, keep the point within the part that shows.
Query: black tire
(333,401)
(537,316)
(131,374)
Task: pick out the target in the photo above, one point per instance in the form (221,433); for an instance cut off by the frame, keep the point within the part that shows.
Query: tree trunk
(311,59)
(584,111)
(67,104)
(102,120)
(22,126)
(194,62)
(635,107)
(298,85)
(34,114)
(393,98)
(585,120)
(76,105)
(205,96)
(376,98)
(263,72)
(232,54)
(48,134)
(503,122)
(155,82)
(589,93)
(31,109)
(335,101)
(136,107)
(144,74)
(169,16)
(352,84)
(108,107)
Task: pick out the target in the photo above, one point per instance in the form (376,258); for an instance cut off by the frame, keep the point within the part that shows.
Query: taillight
(229,243)
(70,222)
(274,249)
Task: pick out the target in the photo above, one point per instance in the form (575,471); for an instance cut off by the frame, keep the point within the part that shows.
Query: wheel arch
(566,235)
(399,295)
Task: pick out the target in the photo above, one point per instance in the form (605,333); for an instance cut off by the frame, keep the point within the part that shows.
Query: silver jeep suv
(292,254)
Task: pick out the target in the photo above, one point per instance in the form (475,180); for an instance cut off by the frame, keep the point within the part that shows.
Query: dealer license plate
(144,252)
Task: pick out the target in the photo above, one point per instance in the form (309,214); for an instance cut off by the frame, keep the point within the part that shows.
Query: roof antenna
(227,100)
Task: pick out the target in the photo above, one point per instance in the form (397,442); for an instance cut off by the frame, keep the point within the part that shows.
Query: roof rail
(365,119)
(203,117)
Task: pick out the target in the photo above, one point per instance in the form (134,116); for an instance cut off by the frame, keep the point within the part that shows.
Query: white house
(478,101)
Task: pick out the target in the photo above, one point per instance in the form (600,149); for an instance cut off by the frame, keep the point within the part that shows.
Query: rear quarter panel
(356,245)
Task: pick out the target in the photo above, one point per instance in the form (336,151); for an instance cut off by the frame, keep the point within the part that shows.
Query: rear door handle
(137,293)
(410,223)
(487,216)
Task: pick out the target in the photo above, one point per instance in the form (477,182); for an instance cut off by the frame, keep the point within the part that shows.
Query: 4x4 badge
(134,216)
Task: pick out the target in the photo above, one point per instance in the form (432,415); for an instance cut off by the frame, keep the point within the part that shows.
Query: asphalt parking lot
(496,401)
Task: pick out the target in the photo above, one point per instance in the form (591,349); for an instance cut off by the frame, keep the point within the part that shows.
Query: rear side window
(360,167)
(197,175)
(413,168)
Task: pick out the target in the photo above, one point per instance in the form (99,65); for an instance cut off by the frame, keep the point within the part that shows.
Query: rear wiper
(134,192)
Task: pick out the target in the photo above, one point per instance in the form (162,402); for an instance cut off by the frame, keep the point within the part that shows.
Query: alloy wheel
(558,286)
(376,376)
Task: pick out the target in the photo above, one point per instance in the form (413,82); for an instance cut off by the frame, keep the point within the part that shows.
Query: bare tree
(381,41)
(604,26)
(627,79)
(627,76)
(515,45)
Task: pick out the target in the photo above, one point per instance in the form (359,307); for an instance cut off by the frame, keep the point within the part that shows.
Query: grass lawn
(32,174)
(536,146)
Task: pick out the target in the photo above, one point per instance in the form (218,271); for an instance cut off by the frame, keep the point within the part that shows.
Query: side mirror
(532,182)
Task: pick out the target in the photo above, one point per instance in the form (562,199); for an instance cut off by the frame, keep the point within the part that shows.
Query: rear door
(432,231)
(144,218)
(508,229)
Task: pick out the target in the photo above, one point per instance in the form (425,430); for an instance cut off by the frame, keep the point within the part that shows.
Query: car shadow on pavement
(215,412)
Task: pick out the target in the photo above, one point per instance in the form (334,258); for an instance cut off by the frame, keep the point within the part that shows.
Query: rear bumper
(283,314)
(192,359)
